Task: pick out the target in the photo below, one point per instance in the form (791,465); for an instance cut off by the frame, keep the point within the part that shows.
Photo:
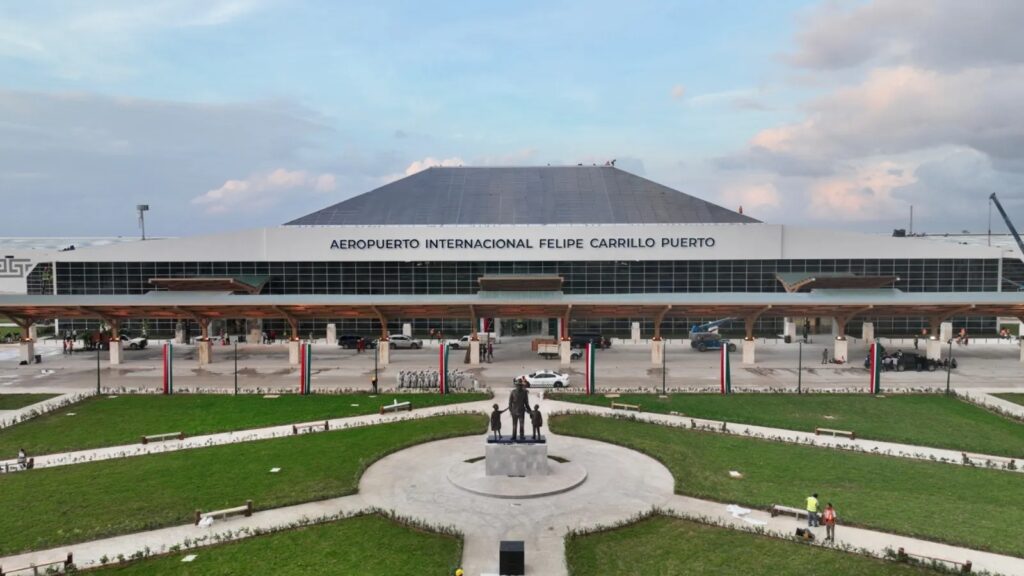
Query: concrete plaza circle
(561,477)
(620,484)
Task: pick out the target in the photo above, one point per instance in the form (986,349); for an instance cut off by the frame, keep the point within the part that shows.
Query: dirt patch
(761,371)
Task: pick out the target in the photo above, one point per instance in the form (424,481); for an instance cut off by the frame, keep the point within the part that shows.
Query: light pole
(98,370)
(236,366)
(376,355)
(799,366)
(949,364)
(664,350)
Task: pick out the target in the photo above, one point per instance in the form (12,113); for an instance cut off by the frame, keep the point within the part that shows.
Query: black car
(581,339)
(351,341)
(902,361)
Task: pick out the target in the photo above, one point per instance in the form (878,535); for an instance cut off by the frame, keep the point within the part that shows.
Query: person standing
(812,510)
(537,420)
(490,351)
(496,422)
(824,356)
(915,341)
(830,522)
(22,459)
(519,408)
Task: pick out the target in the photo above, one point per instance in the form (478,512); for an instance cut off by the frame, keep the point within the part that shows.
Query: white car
(460,343)
(544,379)
(134,343)
(403,341)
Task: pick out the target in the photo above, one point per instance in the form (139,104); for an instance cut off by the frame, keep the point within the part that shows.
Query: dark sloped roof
(522,195)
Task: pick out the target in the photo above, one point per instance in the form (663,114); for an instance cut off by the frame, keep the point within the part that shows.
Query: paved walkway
(484,406)
(621,483)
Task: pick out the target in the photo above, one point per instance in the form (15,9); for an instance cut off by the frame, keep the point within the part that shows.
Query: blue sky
(225,114)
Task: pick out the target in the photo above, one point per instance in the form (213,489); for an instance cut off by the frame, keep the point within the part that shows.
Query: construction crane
(1016,236)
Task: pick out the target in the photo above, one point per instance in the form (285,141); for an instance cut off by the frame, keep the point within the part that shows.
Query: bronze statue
(519,408)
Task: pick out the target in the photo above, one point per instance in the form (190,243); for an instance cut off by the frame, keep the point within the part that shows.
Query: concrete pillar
(255,326)
(835,328)
(474,352)
(293,352)
(179,333)
(384,353)
(27,349)
(789,329)
(1021,341)
(481,325)
(748,351)
(497,328)
(867,332)
(946,331)
(559,329)
(204,352)
(115,352)
(33,332)
(657,352)
(407,329)
(933,348)
(634,332)
(332,334)
(842,348)
(565,352)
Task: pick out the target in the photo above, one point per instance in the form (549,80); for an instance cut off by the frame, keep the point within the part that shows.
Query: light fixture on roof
(142,209)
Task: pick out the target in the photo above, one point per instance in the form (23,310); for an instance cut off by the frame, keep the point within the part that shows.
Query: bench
(29,464)
(67,563)
(296,428)
(903,556)
(797,513)
(834,432)
(163,437)
(245,510)
(624,406)
(396,407)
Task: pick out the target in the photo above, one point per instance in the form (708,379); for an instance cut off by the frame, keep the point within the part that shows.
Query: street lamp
(664,350)
(236,366)
(949,364)
(98,370)
(142,209)
(799,365)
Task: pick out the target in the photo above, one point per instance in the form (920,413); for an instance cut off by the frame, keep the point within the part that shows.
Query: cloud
(865,193)
(99,155)
(261,191)
(430,162)
(99,39)
(936,34)
(761,197)
(678,91)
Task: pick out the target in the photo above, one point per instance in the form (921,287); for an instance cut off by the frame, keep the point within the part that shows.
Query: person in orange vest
(830,523)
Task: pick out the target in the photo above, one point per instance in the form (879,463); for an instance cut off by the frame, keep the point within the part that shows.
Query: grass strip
(974,507)
(368,544)
(55,506)
(665,545)
(111,421)
(15,401)
(1015,398)
(917,419)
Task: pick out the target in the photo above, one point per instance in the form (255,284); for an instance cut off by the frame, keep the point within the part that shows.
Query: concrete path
(985,397)
(621,483)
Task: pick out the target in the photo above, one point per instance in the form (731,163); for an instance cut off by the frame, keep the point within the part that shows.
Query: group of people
(519,408)
(815,517)
(269,336)
(962,338)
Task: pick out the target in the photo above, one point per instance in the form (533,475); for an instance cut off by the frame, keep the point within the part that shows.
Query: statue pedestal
(519,459)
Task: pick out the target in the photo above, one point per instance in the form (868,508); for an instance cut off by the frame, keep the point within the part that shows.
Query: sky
(232,114)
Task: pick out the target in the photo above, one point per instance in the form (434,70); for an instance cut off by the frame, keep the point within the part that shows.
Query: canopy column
(657,344)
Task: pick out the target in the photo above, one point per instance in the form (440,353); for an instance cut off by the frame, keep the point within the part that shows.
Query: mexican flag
(168,368)
(588,370)
(725,372)
(876,369)
(305,368)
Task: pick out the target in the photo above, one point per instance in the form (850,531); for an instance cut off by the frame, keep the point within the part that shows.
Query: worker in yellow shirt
(812,510)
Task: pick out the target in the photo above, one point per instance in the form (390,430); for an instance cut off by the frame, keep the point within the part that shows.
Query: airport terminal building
(580,230)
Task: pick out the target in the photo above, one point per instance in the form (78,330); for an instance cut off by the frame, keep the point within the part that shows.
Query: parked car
(704,341)
(581,339)
(129,342)
(544,379)
(550,351)
(351,341)
(460,343)
(901,361)
(403,341)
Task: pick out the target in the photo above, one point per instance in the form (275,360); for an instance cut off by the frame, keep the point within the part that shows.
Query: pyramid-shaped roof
(521,195)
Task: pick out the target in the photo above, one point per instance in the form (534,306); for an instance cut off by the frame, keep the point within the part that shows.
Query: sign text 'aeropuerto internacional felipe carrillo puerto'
(520,243)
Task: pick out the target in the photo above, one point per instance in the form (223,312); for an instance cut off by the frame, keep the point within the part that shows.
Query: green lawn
(919,419)
(54,506)
(975,507)
(15,401)
(360,545)
(111,421)
(663,545)
(1015,398)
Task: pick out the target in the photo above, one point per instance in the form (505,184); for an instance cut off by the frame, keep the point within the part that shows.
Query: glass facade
(580,277)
